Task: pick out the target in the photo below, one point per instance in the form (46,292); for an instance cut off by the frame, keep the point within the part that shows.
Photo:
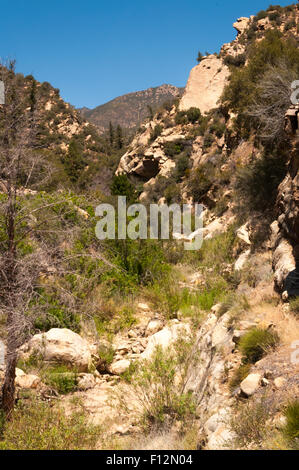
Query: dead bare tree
(19,167)
(273,98)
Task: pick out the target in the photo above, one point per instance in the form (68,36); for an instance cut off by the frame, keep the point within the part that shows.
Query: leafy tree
(119,137)
(111,134)
(199,57)
(74,162)
(193,115)
(121,186)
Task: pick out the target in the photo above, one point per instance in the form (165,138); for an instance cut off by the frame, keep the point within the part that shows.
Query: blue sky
(95,50)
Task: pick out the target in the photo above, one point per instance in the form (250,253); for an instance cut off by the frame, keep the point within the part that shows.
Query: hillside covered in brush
(130,110)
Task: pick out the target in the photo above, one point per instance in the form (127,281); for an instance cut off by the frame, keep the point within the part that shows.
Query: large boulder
(205,85)
(59,346)
(165,338)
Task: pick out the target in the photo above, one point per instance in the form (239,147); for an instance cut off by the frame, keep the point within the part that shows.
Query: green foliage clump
(39,426)
(159,385)
(291,429)
(290,25)
(294,306)
(250,424)
(173,148)
(241,91)
(256,184)
(236,61)
(199,57)
(61,378)
(200,181)
(255,344)
(193,115)
(156,132)
(74,162)
(53,314)
(239,375)
(121,186)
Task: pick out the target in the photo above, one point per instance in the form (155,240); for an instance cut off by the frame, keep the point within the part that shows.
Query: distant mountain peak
(131,109)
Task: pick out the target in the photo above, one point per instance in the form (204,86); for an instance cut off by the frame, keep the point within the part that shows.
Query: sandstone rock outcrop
(164,338)
(205,85)
(241,24)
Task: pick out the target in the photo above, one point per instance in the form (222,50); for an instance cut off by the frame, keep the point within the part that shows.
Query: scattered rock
(250,385)
(280,382)
(86,382)
(243,233)
(119,367)
(27,381)
(242,260)
(132,334)
(221,439)
(143,307)
(216,420)
(153,327)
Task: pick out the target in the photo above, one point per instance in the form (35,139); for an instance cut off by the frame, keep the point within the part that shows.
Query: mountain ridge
(131,109)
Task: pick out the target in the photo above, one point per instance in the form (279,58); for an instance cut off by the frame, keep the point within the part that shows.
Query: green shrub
(218,128)
(236,61)
(200,181)
(156,132)
(174,148)
(121,186)
(255,344)
(199,57)
(249,423)
(294,306)
(61,378)
(256,184)
(39,426)
(291,429)
(239,375)
(159,386)
(193,115)
(172,194)
(180,118)
(261,15)
(241,91)
(208,141)
(289,25)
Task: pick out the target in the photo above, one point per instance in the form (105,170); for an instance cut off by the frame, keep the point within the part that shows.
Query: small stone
(132,334)
(28,381)
(143,306)
(86,382)
(268,374)
(153,327)
(279,382)
(265,382)
(238,335)
(119,367)
(250,385)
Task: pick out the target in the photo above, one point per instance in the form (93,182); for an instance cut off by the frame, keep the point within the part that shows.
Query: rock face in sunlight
(241,24)
(205,85)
